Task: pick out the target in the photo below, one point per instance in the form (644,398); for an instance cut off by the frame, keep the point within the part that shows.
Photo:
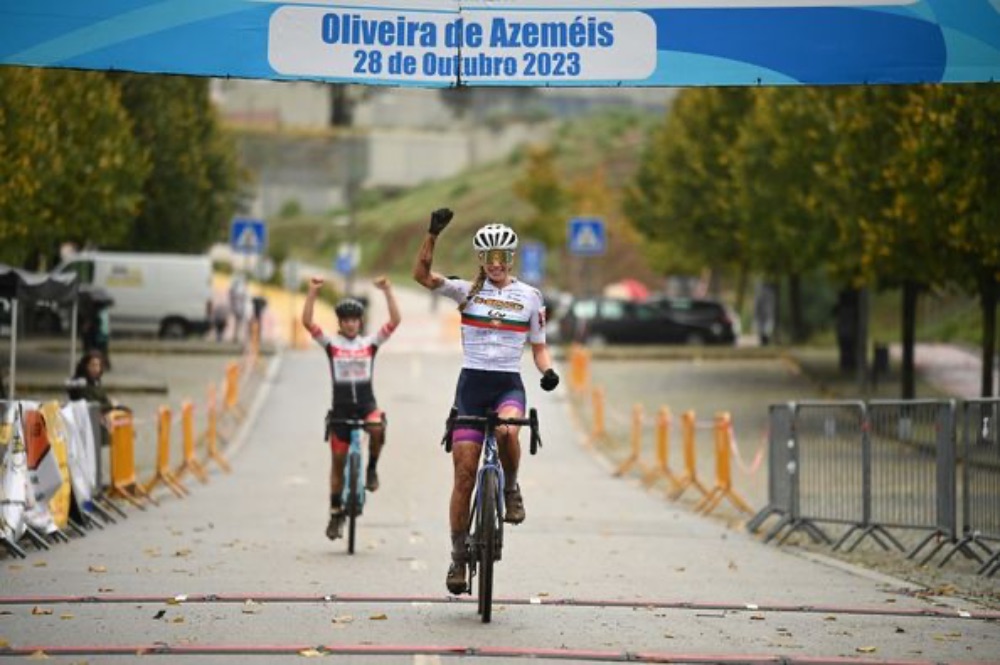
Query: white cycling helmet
(494,236)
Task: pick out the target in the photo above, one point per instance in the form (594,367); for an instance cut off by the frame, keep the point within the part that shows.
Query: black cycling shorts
(366,411)
(479,392)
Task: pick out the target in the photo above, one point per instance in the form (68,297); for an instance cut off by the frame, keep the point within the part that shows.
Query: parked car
(654,321)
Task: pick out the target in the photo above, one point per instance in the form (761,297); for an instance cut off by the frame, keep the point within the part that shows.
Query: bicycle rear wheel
(353,503)
(486,536)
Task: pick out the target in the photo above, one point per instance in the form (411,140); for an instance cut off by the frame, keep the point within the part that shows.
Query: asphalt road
(601,570)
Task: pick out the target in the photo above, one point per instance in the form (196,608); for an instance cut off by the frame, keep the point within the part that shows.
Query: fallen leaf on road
(40,611)
(66,616)
(39,655)
(177,620)
(39,564)
(733,566)
(866,649)
(15,566)
(98,569)
(160,614)
(899,630)
(105,589)
(346,618)
(829,617)
(311,653)
(182,552)
(378,617)
(757,617)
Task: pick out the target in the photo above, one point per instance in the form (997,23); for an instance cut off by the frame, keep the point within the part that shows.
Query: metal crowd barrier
(980,476)
(887,464)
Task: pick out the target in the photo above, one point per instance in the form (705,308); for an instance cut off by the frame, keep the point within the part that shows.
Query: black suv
(659,320)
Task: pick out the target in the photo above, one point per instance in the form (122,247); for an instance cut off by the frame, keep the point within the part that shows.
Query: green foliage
(70,169)
(290,208)
(684,193)
(191,193)
(540,187)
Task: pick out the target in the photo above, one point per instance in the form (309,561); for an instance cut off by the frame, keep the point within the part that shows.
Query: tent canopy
(25,285)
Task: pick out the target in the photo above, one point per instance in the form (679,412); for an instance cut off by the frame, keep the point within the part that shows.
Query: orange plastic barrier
(723,477)
(662,467)
(690,475)
(211,435)
(635,455)
(599,431)
(123,481)
(164,476)
(190,463)
(579,368)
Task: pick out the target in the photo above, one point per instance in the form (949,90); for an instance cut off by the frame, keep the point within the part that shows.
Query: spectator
(86,383)
(95,329)
(764,312)
(220,317)
(238,304)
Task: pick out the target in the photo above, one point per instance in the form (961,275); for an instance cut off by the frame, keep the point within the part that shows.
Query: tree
(70,169)
(540,187)
(788,227)
(192,190)
(948,152)
(684,192)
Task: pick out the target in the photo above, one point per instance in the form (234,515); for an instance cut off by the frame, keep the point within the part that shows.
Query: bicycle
(484,544)
(353,494)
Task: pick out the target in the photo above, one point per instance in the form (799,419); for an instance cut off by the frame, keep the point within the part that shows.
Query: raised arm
(422,272)
(315,284)
(383,284)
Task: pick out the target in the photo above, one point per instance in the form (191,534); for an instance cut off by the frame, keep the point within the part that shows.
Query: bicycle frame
(485,550)
(355,451)
(353,466)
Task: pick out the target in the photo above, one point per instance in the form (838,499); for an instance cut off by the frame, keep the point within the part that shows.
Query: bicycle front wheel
(486,537)
(353,502)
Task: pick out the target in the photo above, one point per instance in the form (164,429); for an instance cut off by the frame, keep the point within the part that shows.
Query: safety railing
(886,466)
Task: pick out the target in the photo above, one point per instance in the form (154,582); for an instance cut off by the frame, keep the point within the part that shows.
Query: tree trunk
(341,111)
(741,288)
(911,291)
(795,307)
(988,302)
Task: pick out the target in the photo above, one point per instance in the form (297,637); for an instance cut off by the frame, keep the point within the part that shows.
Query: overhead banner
(438,43)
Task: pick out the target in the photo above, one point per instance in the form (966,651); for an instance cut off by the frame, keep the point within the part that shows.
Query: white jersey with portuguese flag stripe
(497,322)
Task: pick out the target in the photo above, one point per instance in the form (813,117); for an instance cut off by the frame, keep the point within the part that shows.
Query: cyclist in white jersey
(351,356)
(499,315)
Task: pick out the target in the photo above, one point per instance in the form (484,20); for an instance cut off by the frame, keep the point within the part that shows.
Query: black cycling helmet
(349,308)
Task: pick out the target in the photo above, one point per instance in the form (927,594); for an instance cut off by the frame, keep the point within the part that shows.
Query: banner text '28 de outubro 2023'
(436,43)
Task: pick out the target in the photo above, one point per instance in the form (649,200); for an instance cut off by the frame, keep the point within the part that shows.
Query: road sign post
(248,236)
(533,263)
(586,238)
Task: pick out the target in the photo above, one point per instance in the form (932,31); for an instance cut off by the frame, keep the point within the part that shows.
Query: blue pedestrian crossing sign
(587,236)
(248,236)
(532,262)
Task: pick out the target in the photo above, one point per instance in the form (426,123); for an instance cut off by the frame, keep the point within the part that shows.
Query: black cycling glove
(550,380)
(439,220)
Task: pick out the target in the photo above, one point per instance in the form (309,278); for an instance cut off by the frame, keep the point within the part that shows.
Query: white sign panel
(481,47)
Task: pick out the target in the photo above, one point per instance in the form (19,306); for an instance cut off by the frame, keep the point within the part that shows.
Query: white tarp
(82,452)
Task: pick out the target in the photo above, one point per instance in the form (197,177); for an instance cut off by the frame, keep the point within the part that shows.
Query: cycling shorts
(339,436)
(479,392)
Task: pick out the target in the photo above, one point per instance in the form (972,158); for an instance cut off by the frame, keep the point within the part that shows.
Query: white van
(169,295)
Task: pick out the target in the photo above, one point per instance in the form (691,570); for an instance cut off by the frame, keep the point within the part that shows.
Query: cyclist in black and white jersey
(499,315)
(352,363)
